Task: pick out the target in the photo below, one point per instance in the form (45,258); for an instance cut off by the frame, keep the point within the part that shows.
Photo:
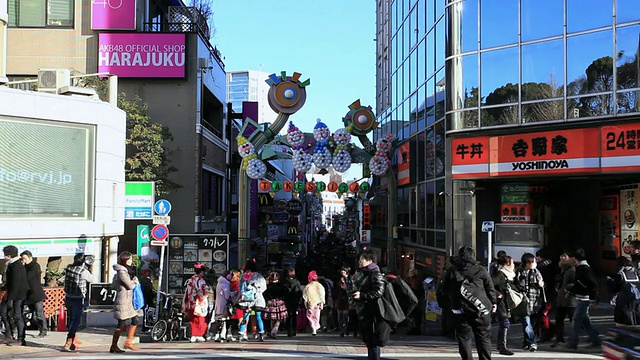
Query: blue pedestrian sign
(487,226)
(162,207)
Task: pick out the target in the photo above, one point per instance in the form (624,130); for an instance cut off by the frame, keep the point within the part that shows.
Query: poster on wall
(628,218)
(515,207)
(185,251)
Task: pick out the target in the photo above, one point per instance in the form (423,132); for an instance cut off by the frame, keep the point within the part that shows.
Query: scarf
(508,271)
(6,266)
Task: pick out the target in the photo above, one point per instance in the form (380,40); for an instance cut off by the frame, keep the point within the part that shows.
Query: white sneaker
(230,338)
(216,337)
(200,339)
(193,339)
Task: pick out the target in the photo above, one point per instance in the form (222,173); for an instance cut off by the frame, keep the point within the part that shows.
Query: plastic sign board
(160,232)
(162,207)
(138,200)
(159,243)
(487,226)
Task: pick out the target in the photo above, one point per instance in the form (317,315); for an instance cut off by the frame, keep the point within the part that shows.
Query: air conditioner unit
(51,80)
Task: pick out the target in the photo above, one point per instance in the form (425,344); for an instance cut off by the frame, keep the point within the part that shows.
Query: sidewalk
(96,341)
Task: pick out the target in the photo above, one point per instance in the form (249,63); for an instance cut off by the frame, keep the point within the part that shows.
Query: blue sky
(328,41)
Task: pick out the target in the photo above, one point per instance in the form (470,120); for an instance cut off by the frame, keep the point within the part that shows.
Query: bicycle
(170,322)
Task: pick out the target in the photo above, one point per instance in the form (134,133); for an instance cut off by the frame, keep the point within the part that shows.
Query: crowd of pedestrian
(230,306)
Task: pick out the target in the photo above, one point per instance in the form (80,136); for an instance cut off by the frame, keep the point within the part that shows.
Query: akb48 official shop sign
(605,149)
(142,55)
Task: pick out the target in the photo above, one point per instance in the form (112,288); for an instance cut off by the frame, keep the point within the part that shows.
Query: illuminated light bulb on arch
(362,119)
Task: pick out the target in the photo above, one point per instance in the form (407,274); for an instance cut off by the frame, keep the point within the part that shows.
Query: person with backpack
(529,282)
(585,290)
(565,301)
(503,279)
(470,293)
(625,284)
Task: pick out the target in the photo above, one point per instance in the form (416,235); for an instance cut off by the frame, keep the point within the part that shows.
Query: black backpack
(627,309)
(469,302)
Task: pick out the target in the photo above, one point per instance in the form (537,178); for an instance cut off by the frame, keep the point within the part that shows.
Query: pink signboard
(113,14)
(142,55)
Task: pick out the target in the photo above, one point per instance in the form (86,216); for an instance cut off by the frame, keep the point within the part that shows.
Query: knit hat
(313,276)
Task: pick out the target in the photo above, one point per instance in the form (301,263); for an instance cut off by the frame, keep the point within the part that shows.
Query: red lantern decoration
(310,186)
(287,186)
(333,186)
(265,185)
(354,187)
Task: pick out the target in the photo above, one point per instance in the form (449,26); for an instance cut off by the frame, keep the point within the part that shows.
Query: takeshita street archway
(287,94)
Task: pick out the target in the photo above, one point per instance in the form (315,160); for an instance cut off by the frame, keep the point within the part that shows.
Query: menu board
(628,218)
(185,251)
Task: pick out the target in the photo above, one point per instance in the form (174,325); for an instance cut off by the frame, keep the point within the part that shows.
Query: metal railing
(187,19)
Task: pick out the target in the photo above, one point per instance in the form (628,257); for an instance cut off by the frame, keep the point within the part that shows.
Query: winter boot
(130,334)
(114,342)
(502,341)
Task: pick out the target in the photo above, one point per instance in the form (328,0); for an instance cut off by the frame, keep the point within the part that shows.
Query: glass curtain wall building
(410,105)
(484,94)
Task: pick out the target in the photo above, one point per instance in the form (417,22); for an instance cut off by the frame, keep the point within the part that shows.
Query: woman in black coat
(503,276)
(622,313)
(35,295)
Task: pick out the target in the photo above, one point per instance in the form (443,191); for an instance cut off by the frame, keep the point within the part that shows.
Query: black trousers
(477,327)
(561,314)
(292,320)
(12,317)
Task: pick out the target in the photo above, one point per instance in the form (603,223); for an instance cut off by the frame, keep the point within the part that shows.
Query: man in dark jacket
(368,286)
(15,281)
(293,294)
(35,295)
(585,290)
(478,324)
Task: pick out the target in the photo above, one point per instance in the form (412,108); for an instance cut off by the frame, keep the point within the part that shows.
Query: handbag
(138,297)
(202,306)
(514,298)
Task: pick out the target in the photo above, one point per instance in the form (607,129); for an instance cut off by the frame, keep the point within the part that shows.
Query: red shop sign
(620,147)
(470,157)
(541,153)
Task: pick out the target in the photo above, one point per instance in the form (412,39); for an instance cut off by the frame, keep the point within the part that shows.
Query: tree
(205,7)
(146,158)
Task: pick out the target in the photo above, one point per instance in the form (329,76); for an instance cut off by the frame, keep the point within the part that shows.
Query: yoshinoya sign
(142,55)
(562,151)
(113,14)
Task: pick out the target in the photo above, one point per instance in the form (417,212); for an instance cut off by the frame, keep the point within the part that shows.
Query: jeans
(343,321)
(7,320)
(581,320)
(373,352)
(12,317)
(39,312)
(527,331)
(562,313)
(480,328)
(75,309)
(245,321)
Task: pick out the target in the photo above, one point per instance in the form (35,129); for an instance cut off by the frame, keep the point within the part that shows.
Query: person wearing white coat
(222,315)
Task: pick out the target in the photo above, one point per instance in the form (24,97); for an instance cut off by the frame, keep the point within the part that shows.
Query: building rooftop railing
(186,19)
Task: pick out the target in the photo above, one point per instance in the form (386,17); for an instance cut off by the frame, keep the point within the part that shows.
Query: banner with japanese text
(557,152)
(620,147)
(470,157)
